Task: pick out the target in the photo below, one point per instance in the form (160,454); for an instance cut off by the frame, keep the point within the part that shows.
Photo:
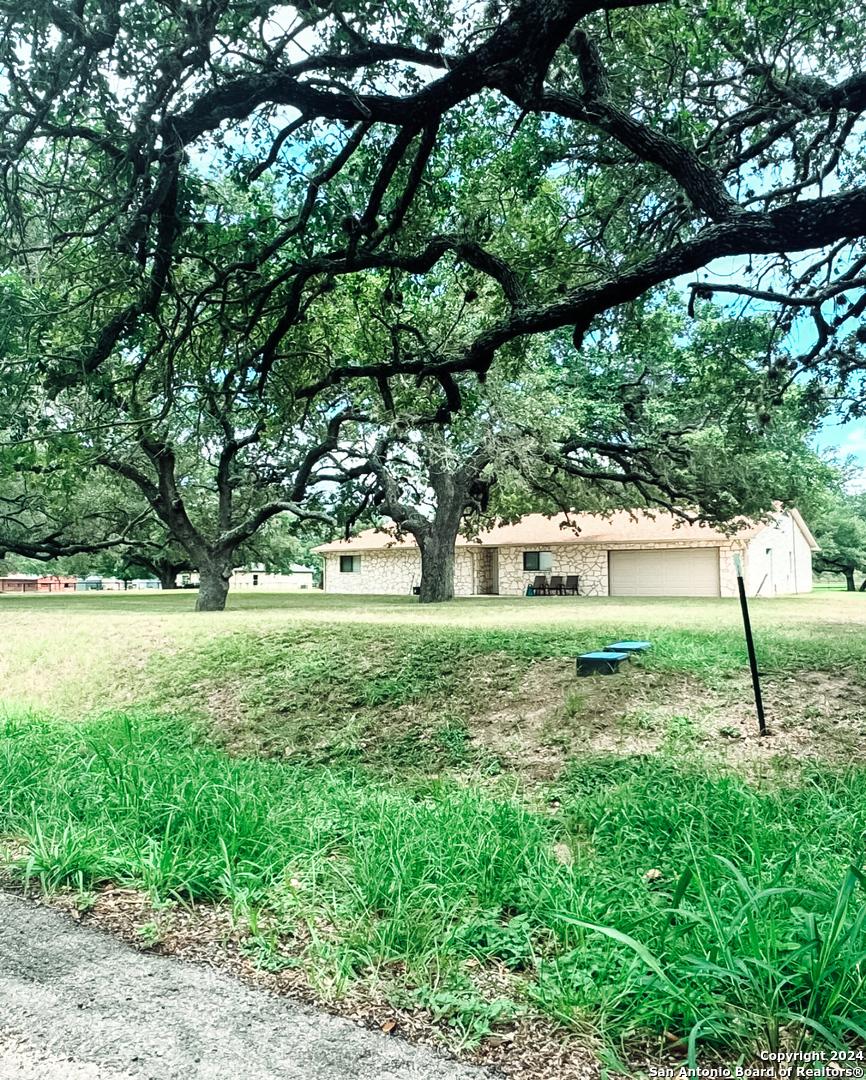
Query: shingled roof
(536,530)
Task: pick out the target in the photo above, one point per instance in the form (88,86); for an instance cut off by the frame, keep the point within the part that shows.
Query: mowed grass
(629,897)
(71,655)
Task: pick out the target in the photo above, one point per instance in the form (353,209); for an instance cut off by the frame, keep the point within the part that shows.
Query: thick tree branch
(701,183)
(231,540)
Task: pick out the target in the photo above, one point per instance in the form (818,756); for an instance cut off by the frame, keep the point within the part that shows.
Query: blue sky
(849,440)
(844,440)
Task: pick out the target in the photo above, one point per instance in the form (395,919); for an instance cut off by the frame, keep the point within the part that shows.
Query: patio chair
(539,586)
(557,585)
(572,583)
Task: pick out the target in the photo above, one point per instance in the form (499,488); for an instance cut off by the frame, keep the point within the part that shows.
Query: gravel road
(77,1005)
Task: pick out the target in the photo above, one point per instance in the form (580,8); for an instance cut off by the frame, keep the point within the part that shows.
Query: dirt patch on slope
(553,715)
(532,719)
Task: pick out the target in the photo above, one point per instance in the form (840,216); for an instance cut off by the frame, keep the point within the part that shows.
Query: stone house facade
(627,554)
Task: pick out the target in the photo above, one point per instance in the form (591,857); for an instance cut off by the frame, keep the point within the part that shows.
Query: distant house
(96,583)
(628,554)
(299,577)
(32,583)
(20,583)
(56,583)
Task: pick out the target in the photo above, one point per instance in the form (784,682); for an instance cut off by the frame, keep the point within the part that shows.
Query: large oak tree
(840,529)
(663,412)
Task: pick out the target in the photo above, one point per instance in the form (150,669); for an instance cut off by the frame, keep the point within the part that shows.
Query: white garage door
(672,572)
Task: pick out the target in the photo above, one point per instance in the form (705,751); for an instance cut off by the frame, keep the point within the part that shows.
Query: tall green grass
(749,930)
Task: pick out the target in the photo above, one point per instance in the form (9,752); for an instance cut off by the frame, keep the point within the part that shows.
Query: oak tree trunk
(437,543)
(455,490)
(437,567)
(213,586)
(168,579)
(849,578)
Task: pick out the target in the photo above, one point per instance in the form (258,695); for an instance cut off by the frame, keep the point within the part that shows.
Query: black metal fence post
(750,645)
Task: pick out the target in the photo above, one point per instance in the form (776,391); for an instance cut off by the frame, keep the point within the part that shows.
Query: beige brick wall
(394,572)
(589,561)
(484,563)
(727,568)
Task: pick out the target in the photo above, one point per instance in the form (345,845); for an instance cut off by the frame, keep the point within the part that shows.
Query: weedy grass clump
(646,896)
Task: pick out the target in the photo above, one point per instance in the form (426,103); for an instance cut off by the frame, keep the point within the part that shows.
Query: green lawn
(72,654)
(426,805)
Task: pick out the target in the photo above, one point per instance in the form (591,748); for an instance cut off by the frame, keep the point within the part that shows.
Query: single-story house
(299,577)
(57,583)
(96,583)
(19,583)
(25,583)
(630,553)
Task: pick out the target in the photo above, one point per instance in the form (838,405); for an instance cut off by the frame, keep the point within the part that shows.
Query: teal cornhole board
(633,648)
(600,663)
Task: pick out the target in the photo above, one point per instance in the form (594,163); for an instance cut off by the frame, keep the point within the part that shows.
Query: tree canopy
(683,134)
(840,530)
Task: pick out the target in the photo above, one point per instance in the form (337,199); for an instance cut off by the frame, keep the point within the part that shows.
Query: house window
(537,560)
(255,579)
(350,564)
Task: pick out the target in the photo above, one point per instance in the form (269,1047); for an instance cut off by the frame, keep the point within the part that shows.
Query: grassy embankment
(313,761)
